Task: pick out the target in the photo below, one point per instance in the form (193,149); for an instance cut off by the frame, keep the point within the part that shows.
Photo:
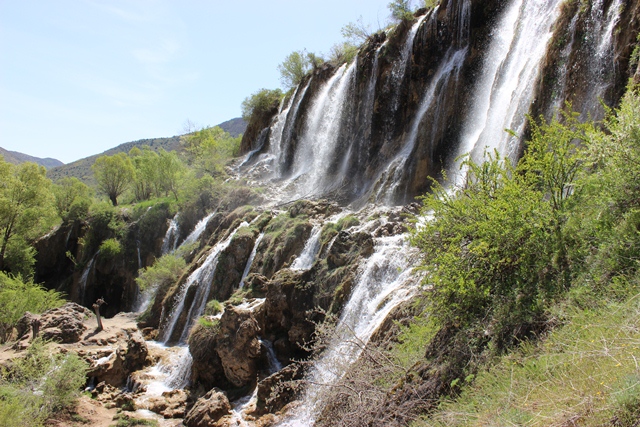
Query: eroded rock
(208,410)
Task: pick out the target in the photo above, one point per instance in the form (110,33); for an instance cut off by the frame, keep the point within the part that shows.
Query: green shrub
(36,386)
(18,297)
(213,307)
(165,271)
(110,249)
(260,102)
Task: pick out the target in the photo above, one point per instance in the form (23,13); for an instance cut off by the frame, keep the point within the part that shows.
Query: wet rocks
(208,410)
(172,404)
(114,368)
(280,389)
(238,345)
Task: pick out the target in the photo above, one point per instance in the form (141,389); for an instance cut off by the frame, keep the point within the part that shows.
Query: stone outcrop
(208,410)
(280,389)
(128,356)
(65,324)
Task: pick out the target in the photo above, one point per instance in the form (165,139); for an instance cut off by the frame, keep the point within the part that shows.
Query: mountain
(81,169)
(16,158)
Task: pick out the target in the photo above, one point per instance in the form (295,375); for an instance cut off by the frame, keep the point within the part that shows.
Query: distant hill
(16,158)
(81,169)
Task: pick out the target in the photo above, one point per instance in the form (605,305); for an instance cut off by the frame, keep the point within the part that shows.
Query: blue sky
(78,77)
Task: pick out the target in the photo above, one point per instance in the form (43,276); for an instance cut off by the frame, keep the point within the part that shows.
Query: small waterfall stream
(85,278)
(170,241)
(247,268)
(201,279)
(310,250)
(384,281)
(198,230)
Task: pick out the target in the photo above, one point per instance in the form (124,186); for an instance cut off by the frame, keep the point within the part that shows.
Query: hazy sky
(78,77)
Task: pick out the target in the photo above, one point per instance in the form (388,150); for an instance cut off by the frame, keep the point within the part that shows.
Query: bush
(18,297)
(165,271)
(38,385)
(261,102)
(110,248)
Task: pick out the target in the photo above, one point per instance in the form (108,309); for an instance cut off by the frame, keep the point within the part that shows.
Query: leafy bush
(260,102)
(213,307)
(165,271)
(110,248)
(18,297)
(34,387)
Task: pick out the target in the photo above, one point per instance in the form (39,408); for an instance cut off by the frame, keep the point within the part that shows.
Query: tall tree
(26,206)
(113,174)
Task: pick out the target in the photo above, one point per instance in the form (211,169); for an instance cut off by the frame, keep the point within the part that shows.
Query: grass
(585,373)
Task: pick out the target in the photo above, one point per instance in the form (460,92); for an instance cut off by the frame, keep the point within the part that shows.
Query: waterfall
(274,363)
(247,268)
(395,171)
(311,249)
(504,92)
(198,230)
(385,280)
(85,278)
(170,241)
(320,135)
(200,278)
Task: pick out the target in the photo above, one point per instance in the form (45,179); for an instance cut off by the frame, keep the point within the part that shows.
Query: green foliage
(26,211)
(113,174)
(343,53)
(488,250)
(260,102)
(110,249)
(400,10)
(124,420)
(213,307)
(38,385)
(295,66)
(72,198)
(585,370)
(18,297)
(210,148)
(209,323)
(356,33)
(164,272)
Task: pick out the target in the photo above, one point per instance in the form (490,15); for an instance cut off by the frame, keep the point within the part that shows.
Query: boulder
(114,368)
(172,404)
(238,345)
(280,389)
(64,324)
(208,410)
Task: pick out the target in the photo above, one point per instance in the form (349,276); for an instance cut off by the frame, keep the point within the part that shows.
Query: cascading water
(170,241)
(321,132)
(384,281)
(247,268)
(201,278)
(310,250)
(85,278)
(198,230)
(503,95)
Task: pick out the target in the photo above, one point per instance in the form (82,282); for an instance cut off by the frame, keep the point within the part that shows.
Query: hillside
(16,158)
(81,169)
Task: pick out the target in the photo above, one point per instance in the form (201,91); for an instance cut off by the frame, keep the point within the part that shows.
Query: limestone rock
(208,410)
(64,324)
(172,404)
(238,345)
(115,367)
(279,389)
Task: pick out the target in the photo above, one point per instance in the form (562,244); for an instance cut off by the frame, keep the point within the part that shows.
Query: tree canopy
(113,175)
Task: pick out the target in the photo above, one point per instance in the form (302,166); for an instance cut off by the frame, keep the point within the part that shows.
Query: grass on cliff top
(585,373)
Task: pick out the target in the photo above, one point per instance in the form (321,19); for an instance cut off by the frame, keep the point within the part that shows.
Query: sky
(78,77)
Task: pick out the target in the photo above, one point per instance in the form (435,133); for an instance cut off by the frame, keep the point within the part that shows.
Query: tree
(170,170)
(210,148)
(26,208)
(113,174)
(294,67)
(145,165)
(70,193)
(401,10)
(356,32)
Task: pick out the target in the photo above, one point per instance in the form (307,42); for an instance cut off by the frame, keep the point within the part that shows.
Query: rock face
(404,108)
(129,356)
(208,410)
(65,324)
(84,274)
(229,352)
